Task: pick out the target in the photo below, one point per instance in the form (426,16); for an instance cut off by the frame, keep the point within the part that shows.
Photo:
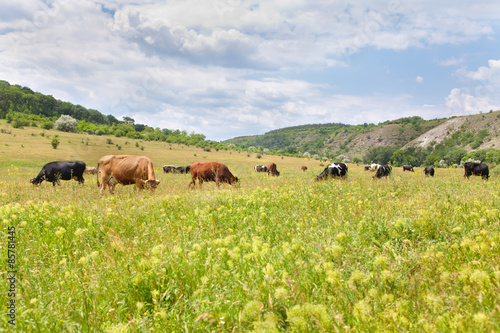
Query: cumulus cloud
(227,67)
(419,79)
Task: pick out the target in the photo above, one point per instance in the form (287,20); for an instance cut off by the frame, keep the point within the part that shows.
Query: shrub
(66,123)
(47,125)
(55,142)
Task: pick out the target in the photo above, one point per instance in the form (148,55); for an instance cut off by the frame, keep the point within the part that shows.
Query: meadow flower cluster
(406,254)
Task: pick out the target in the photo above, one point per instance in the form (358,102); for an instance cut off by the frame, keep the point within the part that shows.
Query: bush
(55,142)
(47,125)
(66,123)
(496,171)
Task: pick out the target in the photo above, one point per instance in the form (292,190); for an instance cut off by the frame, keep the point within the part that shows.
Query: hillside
(355,141)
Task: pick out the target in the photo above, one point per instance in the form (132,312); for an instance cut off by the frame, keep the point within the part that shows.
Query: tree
(66,123)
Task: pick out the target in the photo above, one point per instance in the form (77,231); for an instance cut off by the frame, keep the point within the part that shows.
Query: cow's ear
(157,182)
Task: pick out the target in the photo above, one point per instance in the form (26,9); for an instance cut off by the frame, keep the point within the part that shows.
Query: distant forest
(21,106)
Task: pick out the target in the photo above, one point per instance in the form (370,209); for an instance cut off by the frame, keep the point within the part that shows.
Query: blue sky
(226,68)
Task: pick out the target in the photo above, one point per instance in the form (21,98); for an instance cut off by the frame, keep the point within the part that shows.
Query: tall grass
(272,254)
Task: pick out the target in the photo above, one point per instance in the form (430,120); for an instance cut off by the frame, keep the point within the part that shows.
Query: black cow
(408,168)
(333,170)
(65,170)
(429,171)
(476,169)
(180,169)
(383,171)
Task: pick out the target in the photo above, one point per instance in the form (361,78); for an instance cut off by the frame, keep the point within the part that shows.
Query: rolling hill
(331,140)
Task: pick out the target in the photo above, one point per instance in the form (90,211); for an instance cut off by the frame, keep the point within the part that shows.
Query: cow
(168,169)
(408,168)
(271,169)
(429,171)
(476,169)
(374,167)
(211,172)
(260,168)
(65,170)
(91,170)
(180,169)
(367,168)
(126,170)
(303,168)
(333,170)
(383,171)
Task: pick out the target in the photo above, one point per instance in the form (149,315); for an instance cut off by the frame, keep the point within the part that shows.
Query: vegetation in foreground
(272,254)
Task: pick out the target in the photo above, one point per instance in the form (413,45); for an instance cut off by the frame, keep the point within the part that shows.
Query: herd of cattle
(138,170)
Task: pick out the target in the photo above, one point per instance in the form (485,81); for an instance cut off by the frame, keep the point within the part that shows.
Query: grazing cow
(374,167)
(168,169)
(271,169)
(333,170)
(383,171)
(180,169)
(367,168)
(211,172)
(303,168)
(65,170)
(476,169)
(91,170)
(408,168)
(260,168)
(429,171)
(126,170)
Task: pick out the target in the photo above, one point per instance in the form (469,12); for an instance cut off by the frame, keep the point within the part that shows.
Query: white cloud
(419,79)
(462,102)
(220,67)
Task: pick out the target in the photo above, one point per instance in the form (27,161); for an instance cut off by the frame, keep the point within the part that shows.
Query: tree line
(21,106)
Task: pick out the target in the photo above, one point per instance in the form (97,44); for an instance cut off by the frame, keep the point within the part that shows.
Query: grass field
(271,254)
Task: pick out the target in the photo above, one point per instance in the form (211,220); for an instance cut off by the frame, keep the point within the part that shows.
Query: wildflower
(80,232)
(380,261)
(387,298)
(83,261)
(480,277)
(59,232)
(480,318)
(280,292)
(63,261)
(33,301)
(94,255)
(139,306)
(251,312)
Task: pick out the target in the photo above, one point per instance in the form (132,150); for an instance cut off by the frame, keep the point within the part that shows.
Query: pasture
(284,253)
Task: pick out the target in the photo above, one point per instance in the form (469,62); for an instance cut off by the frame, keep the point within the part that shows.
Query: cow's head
(36,181)
(151,184)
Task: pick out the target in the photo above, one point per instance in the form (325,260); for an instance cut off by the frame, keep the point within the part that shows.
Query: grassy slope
(282,253)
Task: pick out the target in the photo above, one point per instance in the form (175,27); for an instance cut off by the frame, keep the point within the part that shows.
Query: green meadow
(271,254)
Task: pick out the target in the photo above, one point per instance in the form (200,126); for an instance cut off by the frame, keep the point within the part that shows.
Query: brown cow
(303,168)
(126,170)
(211,172)
(407,168)
(271,169)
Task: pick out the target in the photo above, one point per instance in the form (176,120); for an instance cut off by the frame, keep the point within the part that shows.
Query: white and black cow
(383,171)
(65,170)
(476,169)
(333,170)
